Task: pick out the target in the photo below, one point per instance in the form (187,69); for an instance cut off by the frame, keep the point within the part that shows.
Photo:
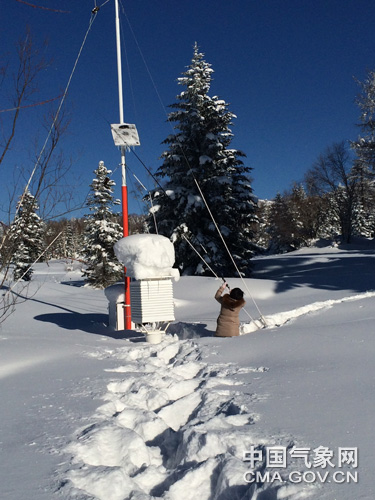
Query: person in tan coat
(228,322)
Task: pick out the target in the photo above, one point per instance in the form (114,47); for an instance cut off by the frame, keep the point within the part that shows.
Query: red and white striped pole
(124,188)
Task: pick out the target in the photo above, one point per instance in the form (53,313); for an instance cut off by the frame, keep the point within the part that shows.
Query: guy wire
(190,169)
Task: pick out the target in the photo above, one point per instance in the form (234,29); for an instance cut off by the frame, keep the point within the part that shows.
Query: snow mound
(146,256)
(115,293)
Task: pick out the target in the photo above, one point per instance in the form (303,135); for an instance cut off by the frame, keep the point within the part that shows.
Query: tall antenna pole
(124,188)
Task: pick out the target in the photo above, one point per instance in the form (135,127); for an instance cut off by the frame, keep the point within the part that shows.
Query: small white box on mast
(125,134)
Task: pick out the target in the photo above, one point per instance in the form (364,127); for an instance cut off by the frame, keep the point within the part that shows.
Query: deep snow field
(90,413)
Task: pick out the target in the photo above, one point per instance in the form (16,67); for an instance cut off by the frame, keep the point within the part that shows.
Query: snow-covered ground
(89,413)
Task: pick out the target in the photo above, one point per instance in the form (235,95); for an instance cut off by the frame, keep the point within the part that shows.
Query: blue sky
(286,67)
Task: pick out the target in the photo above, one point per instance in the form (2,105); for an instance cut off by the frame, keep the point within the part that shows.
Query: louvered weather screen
(152,300)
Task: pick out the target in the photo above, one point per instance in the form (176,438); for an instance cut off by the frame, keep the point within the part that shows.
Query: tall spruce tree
(200,150)
(101,232)
(26,237)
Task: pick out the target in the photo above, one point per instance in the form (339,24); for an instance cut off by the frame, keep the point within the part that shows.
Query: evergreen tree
(328,217)
(363,221)
(200,151)
(101,232)
(365,145)
(69,241)
(262,235)
(293,220)
(364,207)
(26,237)
(364,168)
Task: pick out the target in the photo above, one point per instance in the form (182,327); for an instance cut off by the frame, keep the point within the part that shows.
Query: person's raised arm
(218,294)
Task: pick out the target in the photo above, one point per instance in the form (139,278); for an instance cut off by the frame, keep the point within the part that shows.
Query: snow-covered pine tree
(262,235)
(69,241)
(364,207)
(76,226)
(200,149)
(363,220)
(365,145)
(26,237)
(328,217)
(364,167)
(101,232)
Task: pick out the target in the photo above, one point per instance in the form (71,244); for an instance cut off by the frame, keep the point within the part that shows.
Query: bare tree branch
(331,175)
(30,65)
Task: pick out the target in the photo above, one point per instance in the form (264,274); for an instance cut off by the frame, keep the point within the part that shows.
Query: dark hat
(236,294)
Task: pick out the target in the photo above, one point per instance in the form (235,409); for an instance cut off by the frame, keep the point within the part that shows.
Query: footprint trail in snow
(173,428)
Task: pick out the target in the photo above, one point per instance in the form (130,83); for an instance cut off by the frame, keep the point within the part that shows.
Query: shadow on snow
(329,272)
